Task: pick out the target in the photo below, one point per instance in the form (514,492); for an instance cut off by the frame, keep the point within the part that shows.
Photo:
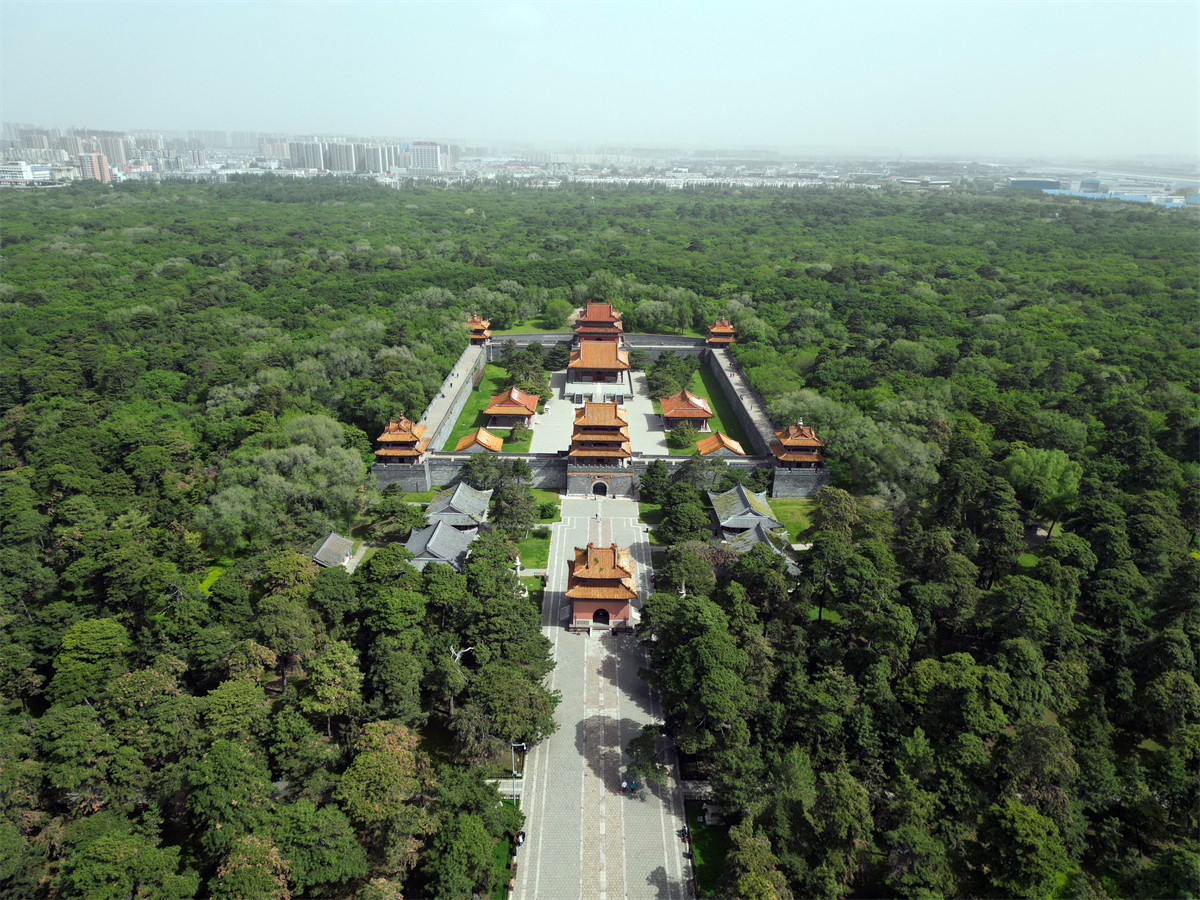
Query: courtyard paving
(585,838)
(646,434)
(553,427)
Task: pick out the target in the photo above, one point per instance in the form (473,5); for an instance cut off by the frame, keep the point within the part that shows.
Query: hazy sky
(1098,79)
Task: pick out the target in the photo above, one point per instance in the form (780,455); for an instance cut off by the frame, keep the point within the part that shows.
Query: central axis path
(586,838)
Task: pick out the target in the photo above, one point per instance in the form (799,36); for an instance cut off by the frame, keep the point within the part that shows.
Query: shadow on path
(660,882)
(596,739)
(630,649)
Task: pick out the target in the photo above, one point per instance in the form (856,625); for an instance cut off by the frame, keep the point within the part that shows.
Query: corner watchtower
(479,329)
(800,469)
(721,333)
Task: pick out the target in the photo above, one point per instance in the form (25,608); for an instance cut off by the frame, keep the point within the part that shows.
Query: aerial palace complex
(602,429)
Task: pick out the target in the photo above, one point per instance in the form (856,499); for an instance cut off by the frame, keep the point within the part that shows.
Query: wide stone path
(442,404)
(748,396)
(585,838)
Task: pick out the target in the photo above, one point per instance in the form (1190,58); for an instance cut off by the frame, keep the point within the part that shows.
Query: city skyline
(912,79)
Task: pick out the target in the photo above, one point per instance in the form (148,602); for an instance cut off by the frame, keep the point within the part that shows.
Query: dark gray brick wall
(798,482)
(413,478)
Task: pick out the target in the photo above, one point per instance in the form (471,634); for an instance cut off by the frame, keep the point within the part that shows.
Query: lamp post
(513,749)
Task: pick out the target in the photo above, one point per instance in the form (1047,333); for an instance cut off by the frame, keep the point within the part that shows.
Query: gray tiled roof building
(333,550)
(739,509)
(759,534)
(462,507)
(440,543)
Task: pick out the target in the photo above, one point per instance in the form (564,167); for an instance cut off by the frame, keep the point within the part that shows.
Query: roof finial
(800,421)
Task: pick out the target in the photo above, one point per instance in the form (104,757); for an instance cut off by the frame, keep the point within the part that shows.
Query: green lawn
(541,496)
(828,615)
(534,327)
(710,846)
(534,585)
(501,855)
(473,416)
(676,332)
(535,552)
(793,512)
(704,384)
(724,418)
(652,515)
(419,496)
(511,446)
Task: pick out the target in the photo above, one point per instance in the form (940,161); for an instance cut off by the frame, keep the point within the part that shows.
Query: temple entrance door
(600,617)
(600,489)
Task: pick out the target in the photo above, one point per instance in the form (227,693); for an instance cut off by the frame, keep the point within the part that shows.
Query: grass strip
(710,846)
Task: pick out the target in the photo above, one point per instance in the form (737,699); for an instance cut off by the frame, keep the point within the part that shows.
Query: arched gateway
(600,489)
(600,617)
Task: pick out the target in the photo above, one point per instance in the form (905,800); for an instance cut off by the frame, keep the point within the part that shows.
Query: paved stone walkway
(440,407)
(552,429)
(586,838)
(750,399)
(358,557)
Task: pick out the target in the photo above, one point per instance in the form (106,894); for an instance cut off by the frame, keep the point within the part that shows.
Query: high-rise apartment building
(72,144)
(94,166)
(209,139)
(339,157)
(306,155)
(426,156)
(115,149)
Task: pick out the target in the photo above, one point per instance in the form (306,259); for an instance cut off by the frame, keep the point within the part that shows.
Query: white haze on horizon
(1085,79)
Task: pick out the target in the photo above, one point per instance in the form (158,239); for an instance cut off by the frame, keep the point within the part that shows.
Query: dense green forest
(944,703)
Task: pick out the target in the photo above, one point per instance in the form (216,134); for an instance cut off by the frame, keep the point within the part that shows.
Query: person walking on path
(623,786)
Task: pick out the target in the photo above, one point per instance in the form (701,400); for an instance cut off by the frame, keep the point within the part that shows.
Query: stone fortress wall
(555,472)
(458,389)
(747,405)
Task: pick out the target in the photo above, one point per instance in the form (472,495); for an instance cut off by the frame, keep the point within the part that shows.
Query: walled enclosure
(554,472)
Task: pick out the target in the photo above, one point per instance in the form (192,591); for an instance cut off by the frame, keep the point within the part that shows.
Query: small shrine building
(460,507)
(719,445)
(512,407)
(599,322)
(403,443)
(598,362)
(601,587)
(479,441)
(738,510)
(685,407)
